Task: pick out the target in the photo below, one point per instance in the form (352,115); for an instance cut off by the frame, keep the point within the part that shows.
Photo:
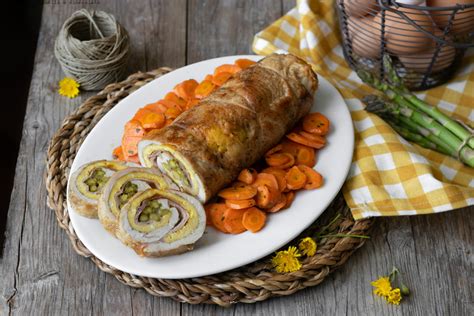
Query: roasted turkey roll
(206,147)
(87,183)
(158,223)
(121,187)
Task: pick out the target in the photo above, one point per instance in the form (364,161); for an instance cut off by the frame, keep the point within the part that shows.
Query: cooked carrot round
(186,89)
(171,96)
(254,219)
(204,89)
(244,192)
(267,197)
(216,212)
(280,160)
(316,123)
(267,179)
(314,137)
(314,178)
(221,78)
(244,63)
(290,197)
(279,206)
(247,176)
(279,175)
(306,156)
(275,149)
(295,179)
(298,138)
(229,68)
(233,221)
(240,204)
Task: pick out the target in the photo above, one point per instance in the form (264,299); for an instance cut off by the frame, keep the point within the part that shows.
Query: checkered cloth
(389,176)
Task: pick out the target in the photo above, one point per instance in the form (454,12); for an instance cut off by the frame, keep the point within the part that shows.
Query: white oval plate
(215,252)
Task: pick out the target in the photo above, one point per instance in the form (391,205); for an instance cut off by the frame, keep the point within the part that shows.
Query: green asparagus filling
(96,180)
(129,190)
(176,173)
(153,211)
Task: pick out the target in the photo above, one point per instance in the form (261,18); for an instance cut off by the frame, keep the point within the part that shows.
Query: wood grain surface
(42,275)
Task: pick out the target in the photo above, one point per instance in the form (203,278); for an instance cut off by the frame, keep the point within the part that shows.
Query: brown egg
(420,62)
(365,36)
(359,8)
(402,37)
(463,22)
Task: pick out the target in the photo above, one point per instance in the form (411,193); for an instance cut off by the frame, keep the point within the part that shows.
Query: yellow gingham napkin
(388,176)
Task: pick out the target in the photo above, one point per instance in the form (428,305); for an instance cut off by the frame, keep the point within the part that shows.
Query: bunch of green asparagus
(414,119)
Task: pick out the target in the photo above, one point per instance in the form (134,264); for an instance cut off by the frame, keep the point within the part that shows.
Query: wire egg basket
(425,41)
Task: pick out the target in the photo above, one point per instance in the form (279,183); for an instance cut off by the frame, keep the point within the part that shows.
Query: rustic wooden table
(42,275)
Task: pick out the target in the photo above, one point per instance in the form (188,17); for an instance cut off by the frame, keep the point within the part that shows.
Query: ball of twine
(93,48)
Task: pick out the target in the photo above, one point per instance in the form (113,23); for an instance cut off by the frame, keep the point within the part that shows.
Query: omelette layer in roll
(206,147)
(121,187)
(158,223)
(87,183)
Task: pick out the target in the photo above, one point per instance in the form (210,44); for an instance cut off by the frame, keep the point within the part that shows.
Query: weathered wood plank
(226,27)
(41,274)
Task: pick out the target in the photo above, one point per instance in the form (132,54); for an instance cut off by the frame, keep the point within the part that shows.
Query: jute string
(93,48)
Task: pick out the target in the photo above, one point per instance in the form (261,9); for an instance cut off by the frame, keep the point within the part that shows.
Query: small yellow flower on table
(307,246)
(69,87)
(287,260)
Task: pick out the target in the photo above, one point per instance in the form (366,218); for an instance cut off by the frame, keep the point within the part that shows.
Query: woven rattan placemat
(248,284)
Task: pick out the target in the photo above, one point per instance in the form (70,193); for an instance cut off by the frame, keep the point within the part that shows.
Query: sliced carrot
(267,197)
(130,145)
(247,176)
(306,156)
(279,175)
(171,105)
(133,159)
(208,78)
(156,107)
(171,96)
(233,221)
(172,113)
(267,179)
(186,89)
(153,120)
(314,178)
(295,179)
(232,69)
(240,204)
(298,138)
(254,219)
(314,137)
(291,147)
(208,208)
(168,122)
(279,206)
(217,211)
(316,123)
(192,103)
(290,197)
(204,89)
(274,150)
(244,192)
(280,160)
(221,78)
(134,128)
(244,63)
(118,153)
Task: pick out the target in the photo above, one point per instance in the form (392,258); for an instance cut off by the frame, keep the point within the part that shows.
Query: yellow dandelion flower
(382,286)
(307,246)
(68,87)
(287,260)
(394,297)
